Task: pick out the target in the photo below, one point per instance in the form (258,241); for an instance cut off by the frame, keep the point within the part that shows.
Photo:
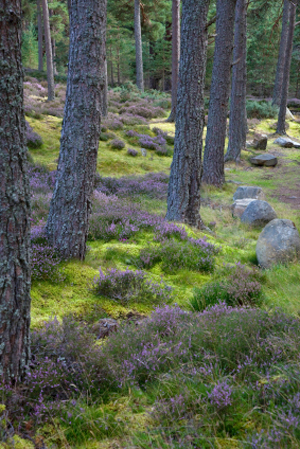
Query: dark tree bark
(50,73)
(14,201)
(238,113)
(281,127)
(282,54)
(138,46)
(67,226)
(184,185)
(175,55)
(213,164)
(104,101)
(40,35)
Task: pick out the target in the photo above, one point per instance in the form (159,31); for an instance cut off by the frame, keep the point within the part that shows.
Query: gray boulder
(258,214)
(254,192)
(286,142)
(278,243)
(260,141)
(239,207)
(267,160)
(144,152)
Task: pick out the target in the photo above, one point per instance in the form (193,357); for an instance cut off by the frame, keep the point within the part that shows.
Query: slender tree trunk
(281,128)
(282,54)
(175,55)
(111,69)
(138,45)
(185,179)
(40,36)
(238,114)
(50,75)
(54,56)
(14,201)
(213,164)
(67,226)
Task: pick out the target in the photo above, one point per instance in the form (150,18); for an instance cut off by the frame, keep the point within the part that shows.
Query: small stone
(103,328)
(268,160)
(278,243)
(244,192)
(286,142)
(260,141)
(239,207)
(144,152)
(258,213)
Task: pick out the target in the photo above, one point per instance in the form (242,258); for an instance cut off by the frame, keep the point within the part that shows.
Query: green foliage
(30,47)
(261,109)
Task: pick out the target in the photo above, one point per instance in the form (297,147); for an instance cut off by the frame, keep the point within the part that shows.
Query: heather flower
(33,139)
(117,144)
(221,395)
(132,152)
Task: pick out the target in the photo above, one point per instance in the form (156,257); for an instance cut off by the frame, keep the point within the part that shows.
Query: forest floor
(137,417)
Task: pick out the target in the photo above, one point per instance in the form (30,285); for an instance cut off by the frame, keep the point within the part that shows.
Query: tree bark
(40,36)
(138,45)
(50,75)
(213,164)
(14,202)
(281,128)
(282,54)
(104,99)
(67,226)
(185,179)
(238,113)
(175,55)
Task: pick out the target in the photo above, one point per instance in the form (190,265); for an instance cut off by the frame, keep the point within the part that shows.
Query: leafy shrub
(132,152)
(195,255)
(125,286)
(261,109)
(239,288)
(113,122)
(33,139)
(104,137)
(117,144)
(45,263)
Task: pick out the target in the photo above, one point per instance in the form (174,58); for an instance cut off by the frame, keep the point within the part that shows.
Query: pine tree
(175,55)
(50,71)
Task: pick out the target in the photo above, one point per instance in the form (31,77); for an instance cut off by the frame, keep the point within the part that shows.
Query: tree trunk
(14,202)
(54,56)
(281,129)
(67,226)
(282,54)
(184,185)
(40,36)
(175,55)
(238,114)
(104,82)
(50,76)
(213,165)
(138,45)
(104,100)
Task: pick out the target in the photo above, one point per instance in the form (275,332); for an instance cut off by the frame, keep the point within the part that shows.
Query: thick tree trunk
(184,185)
(67,226)
(213,165)
(282,54)
(40,35)
(50,75)
(175,55)
(104,82)
(14,201)
(281,128)
(104,100)
(138,45)
(238,114)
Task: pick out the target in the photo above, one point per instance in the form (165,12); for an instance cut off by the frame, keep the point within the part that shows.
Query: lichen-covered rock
(278,243)
(258,213)
(239,206)
(264,159)
(260,141)
(103,328)
(286,142)
(254,192)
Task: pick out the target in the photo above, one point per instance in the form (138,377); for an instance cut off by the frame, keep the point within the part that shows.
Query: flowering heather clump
(144,110)
(125,286)
(113,122)
(45,263)
(153,143)
(35,99)
(239,288)
(117,144)
(220,396)
(159,132)
(132,119)
(194,255)
(132,152)
(33,139)
(167,230)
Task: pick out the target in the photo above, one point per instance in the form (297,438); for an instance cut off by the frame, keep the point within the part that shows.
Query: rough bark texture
(14,201)
(184,185)
(175,55)
(281,128)
(68,220)
(50,73)
(213,164)
(238,113)
(138,46)
(104,100)
(282,54)
(40,35)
